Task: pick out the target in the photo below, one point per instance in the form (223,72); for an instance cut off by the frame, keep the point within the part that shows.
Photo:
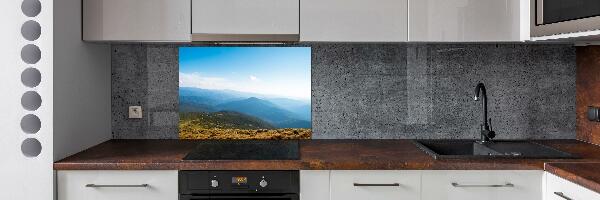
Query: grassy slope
(233,125)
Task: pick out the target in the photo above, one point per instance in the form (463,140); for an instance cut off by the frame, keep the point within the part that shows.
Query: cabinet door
(375,185)
(314,185)
(117,185)
(482,185)
(354,20)
(560,189)
(468,21)
(218,19)
(136,20)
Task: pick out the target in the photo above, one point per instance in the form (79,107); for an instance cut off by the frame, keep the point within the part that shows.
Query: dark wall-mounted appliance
(238,185)
(551,17)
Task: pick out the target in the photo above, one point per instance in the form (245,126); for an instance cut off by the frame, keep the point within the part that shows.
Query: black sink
(469,149)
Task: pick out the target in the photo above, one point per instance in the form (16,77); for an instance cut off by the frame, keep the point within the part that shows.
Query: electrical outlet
(135,112)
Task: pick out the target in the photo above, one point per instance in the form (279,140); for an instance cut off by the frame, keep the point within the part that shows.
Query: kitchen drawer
(482,185)
(162,185)
(556,186)
(394,185)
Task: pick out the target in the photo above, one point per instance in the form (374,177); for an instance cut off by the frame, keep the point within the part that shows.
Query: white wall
(23,177)
(77,74)
(82,109)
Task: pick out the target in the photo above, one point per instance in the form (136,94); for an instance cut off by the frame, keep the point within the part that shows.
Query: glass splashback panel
(245,93)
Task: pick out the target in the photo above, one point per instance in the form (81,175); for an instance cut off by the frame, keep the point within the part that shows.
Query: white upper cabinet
(245,20)
(307,20)
(468,20)
(354,20)
(136,20)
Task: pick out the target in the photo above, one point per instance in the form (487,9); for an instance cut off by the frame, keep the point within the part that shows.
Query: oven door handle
(286,196)
(192,197)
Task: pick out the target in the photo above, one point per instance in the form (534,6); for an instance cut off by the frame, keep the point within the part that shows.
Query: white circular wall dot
(31,54)
(31,124)
(31,147)
(31,77)
(31,30)
(31,8)
(31,100)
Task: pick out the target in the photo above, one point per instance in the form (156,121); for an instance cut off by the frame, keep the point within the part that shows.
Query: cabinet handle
(562,195)
(470,186)
(376,184)
(115,186)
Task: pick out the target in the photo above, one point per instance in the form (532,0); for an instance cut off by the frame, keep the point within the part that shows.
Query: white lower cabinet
(482,185)
(375,185)
(341,185)
(314,184)
(560,189)
(117,185)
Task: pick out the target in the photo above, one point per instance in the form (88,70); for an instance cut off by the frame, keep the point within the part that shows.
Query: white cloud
(253,85)
(253,78)
(199,81)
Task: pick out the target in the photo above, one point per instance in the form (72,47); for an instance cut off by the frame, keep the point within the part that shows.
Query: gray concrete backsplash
(383,91)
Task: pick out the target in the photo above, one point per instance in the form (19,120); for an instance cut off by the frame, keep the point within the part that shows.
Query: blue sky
(276,71)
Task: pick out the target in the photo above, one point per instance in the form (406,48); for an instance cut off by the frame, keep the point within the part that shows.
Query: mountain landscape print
(244,93)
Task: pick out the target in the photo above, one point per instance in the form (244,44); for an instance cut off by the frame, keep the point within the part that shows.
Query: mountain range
(277,111)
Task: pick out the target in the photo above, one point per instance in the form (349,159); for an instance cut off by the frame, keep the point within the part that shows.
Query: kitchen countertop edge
(582,174)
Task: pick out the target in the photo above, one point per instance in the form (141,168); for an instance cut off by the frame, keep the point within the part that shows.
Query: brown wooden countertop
(314,154)
(584,174)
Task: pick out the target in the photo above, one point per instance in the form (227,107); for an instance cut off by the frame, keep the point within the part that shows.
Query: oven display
(239,180)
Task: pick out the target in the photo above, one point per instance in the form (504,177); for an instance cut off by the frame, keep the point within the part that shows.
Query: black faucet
(487,134)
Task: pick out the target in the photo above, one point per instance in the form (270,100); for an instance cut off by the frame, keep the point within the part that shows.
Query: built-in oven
(238,185)
(552,17)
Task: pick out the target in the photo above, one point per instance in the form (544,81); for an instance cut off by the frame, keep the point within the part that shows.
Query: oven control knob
(214,183)
(263,183)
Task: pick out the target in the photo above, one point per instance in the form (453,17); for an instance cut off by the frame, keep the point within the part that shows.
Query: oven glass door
(554,11)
